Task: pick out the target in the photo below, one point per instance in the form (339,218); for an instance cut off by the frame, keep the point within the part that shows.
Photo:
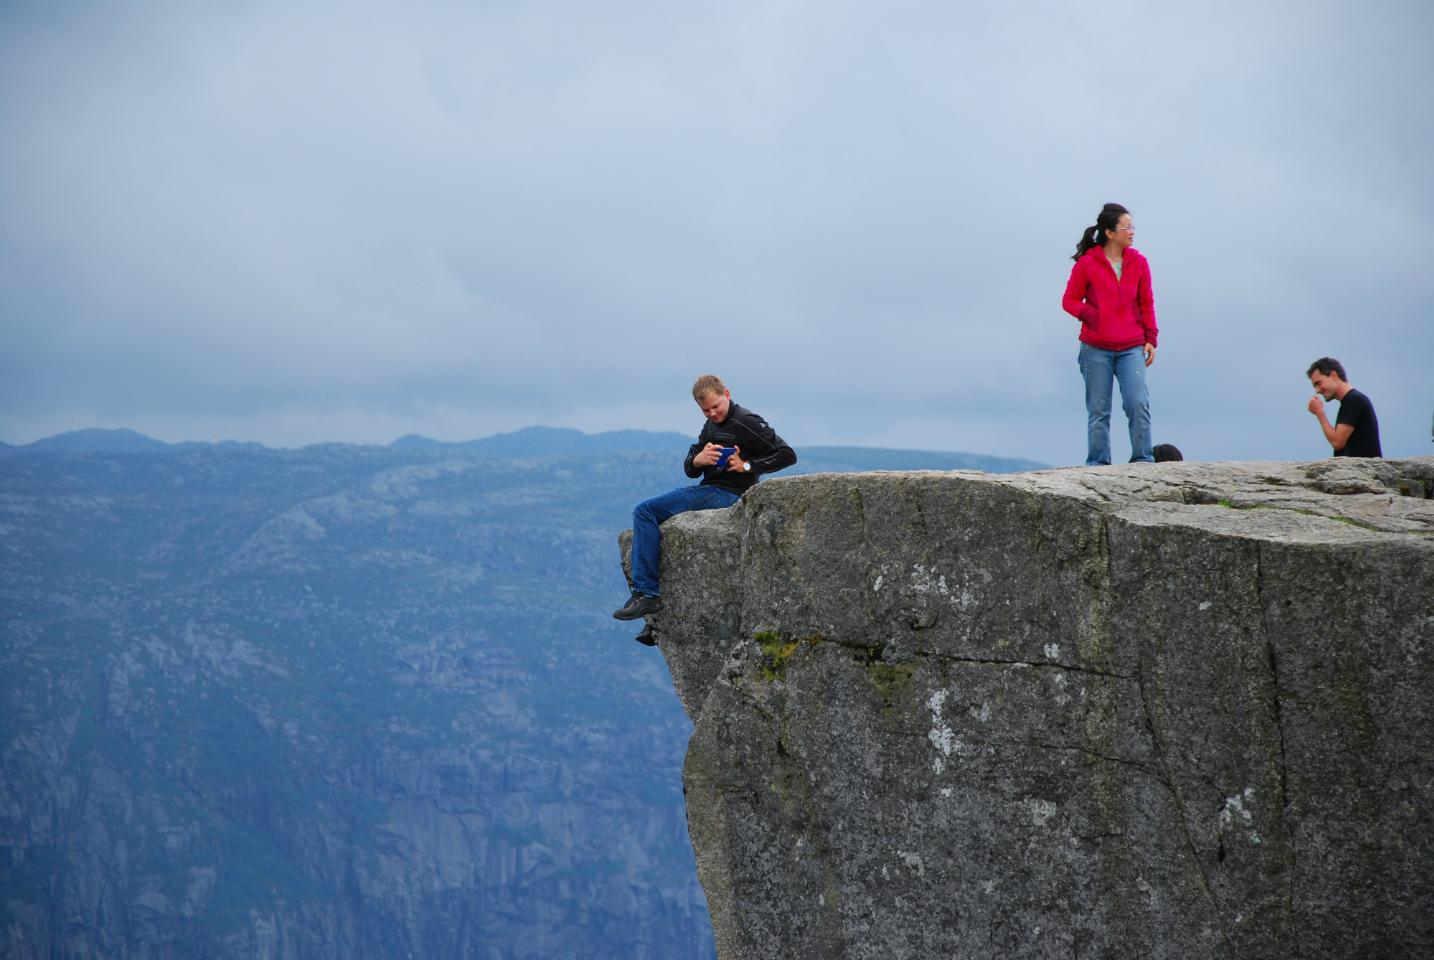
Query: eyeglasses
(1129,229)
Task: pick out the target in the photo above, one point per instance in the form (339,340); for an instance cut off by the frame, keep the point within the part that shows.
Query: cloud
(298,222)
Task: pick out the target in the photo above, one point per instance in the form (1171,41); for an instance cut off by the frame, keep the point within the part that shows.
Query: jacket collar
(1099,251)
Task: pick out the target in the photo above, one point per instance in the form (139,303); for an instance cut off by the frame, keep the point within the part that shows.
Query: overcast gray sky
(294,222)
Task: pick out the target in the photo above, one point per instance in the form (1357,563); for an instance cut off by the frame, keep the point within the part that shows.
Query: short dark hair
(1326,366)
(1166,452)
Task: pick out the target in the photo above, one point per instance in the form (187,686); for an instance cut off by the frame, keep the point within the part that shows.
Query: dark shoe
(639,605)
(647,638)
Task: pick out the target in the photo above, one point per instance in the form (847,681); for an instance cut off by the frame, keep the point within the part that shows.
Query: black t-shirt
(1356,410)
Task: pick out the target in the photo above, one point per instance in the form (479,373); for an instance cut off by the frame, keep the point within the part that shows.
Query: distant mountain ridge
(528,441)
(121,440)
(94,438)
(540,441)
(547,441)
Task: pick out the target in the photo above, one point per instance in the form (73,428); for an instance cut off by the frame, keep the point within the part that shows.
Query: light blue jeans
(648,515)
(1100,368)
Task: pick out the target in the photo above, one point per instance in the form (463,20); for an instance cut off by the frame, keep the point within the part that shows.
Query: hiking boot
(647,638)
(638,605)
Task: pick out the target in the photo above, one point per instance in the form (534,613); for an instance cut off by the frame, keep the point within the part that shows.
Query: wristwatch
(746,466)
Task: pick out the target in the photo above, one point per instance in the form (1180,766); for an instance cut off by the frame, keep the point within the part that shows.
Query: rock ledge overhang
(1141,711)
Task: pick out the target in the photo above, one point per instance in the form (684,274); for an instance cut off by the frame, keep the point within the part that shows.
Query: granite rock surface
(1149,711)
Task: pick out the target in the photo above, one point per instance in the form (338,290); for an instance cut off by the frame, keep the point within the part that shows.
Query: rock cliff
(1166,711)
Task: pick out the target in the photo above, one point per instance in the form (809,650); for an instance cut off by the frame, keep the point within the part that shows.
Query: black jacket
(760,444)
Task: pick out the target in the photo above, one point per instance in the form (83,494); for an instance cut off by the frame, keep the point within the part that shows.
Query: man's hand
(1337,434)
(1149,354)
(707,456)
(735,462)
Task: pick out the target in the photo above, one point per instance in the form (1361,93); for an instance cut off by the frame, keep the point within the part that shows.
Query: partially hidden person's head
(1112,225)
(712,396)
(1166,453)
(1327,376)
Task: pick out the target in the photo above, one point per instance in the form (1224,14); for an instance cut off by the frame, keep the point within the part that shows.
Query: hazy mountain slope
(334,701)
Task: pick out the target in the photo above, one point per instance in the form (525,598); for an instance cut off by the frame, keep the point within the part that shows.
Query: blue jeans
(649,514)
(1100,367)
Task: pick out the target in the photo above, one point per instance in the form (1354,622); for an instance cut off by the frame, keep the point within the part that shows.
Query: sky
(296,222)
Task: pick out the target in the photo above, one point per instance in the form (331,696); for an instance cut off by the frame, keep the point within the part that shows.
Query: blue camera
(727,452)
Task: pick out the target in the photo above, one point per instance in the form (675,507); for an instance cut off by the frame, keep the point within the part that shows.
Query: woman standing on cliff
(1109,292)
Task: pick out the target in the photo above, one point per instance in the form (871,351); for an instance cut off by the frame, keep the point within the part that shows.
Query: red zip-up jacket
(1114,314)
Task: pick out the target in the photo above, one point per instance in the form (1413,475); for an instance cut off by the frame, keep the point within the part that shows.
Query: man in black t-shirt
(1355,432)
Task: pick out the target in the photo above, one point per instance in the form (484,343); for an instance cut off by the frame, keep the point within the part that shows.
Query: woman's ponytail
(1087,240)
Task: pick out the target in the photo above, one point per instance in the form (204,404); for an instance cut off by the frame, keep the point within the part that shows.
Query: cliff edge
(1170,711)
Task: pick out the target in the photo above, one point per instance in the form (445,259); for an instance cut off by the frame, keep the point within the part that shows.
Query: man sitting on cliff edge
(735,447)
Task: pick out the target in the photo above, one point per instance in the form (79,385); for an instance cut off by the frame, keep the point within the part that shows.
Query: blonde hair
(707,385)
